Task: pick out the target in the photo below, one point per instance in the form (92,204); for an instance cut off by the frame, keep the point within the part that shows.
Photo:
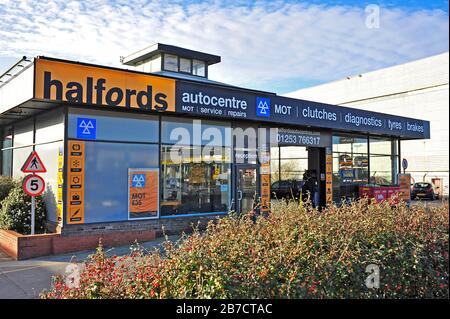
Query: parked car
(286,189)
(424,190)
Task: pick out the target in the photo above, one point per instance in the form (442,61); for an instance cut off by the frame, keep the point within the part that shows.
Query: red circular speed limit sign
(33,185)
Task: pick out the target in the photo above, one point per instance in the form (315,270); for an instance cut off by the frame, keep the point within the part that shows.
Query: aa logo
(138,181)
(262,106)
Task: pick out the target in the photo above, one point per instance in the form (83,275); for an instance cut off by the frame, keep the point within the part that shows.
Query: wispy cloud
(260,44)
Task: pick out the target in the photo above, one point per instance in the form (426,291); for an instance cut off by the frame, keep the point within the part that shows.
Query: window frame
(205,68)
(190,65)
(164,62)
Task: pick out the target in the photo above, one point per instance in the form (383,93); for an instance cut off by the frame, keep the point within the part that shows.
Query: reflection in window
(385,146)
(198,68)
(380,170)
(195,132)
(197,181)
(350,166)
(170,62)
(185,65)
(383,161)
(288,163)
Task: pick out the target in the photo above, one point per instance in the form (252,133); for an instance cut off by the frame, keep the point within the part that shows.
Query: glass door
(246,187)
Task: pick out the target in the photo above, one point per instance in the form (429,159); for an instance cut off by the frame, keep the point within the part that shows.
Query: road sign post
(33,184)
(33,213)
(404,165)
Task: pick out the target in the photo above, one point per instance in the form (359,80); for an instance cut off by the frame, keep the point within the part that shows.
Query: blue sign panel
(86,128)
(234,103)
(262,106)
(138,180)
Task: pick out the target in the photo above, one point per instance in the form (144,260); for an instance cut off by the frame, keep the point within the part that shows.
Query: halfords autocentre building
(109,139)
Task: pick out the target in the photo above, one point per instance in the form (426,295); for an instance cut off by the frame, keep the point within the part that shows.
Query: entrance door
(246,187)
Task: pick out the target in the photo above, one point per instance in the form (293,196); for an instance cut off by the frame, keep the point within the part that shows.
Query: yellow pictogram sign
(75,182)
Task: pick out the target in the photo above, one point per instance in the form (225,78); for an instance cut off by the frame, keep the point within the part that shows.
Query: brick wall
(8,242)
(170,226)
(84,237)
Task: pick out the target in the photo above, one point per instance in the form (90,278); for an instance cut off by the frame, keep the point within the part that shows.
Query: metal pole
(33,204)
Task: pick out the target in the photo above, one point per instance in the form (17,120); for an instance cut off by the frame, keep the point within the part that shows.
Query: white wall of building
(418,89)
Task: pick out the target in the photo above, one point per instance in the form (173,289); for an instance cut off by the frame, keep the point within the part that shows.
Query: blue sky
(278,46)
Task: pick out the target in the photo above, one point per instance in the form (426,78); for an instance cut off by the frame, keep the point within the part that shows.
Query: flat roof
(29,93)
(154,49)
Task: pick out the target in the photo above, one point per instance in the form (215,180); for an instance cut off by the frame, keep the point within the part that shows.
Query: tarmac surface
(25,279)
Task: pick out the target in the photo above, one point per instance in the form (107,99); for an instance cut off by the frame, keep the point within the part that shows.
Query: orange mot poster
(143,193)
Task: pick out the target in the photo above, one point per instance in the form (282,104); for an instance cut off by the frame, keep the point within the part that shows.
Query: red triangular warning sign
(33,164)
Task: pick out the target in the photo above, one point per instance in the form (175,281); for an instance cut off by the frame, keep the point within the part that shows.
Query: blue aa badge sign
(86,128)
(263,106)
(138,180)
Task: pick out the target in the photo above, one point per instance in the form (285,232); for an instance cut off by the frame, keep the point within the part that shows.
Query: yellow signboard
(59,195)
(78,83)
(265,182)
(75,182)
(329,179)
(143,193)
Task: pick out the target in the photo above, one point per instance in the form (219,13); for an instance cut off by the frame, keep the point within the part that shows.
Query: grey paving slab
(27,278)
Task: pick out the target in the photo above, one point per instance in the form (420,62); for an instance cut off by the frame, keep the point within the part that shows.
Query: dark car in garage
(424,190)
(286,189)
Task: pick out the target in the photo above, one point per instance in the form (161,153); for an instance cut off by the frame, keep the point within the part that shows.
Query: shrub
(294,252)
(6,184)
(15,213)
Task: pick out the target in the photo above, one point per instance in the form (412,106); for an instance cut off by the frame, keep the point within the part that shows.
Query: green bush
(6,184)
(294,252)
(15,213)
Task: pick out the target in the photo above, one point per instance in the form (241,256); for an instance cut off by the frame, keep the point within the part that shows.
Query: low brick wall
(74,238)
(29,246)
(174,225)
(9,242)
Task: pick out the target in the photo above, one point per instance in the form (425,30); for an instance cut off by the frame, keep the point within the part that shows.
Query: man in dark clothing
(308,187)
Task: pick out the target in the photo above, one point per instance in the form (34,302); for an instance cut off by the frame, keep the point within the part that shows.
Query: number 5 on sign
(33,185)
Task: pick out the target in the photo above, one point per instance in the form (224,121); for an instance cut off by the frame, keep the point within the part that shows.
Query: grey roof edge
(156,48)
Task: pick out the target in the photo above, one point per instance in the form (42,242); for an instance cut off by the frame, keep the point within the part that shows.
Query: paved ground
(25,279)
(430,203)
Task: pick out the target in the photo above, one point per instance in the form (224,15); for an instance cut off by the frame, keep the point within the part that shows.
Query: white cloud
(259,44)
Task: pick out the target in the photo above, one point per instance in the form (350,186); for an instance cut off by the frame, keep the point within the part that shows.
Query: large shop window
(195,167)
(350,166)
(288,163)
(106,177)
(122,149)
(383,161)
